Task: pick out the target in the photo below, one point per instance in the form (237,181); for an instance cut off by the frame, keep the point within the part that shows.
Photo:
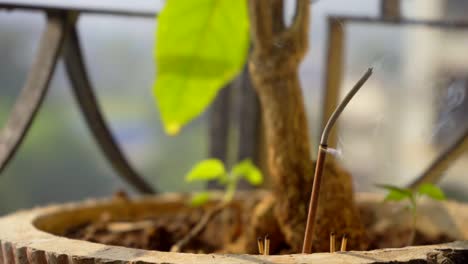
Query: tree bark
(274,66)
(274,63)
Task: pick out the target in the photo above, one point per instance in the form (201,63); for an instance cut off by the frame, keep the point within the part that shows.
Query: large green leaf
(200,46)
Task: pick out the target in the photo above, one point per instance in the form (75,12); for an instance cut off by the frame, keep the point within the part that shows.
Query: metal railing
(60,39)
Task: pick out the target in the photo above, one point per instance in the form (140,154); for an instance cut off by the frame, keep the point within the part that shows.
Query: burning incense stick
(307,246)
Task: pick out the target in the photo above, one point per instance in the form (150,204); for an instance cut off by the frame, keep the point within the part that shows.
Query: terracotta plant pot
(33,236)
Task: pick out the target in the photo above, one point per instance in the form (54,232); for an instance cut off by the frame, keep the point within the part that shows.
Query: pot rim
(22,242)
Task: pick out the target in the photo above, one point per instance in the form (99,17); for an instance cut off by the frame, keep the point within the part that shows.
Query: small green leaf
(249,171)
(200,199)
(210,169)
(431,191)
(396,193)
(396,196)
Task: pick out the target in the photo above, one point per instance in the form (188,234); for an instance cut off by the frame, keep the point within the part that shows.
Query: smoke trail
(337,153)
(454,97)
(456,93)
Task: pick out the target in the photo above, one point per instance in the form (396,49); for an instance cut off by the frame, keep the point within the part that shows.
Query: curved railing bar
(79,7)
(87,102)
(436,170)
(35,88)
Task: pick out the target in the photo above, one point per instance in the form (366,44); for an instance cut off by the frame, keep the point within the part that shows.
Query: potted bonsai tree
(186,74)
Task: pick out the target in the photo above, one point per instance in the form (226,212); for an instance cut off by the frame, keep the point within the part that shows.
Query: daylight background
(413,106)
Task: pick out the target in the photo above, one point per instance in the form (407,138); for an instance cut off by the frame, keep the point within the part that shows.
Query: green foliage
(398,194)
(431,191)
(395,193)
(206,170)
(200,46)
(248,171)
(213,169)
(200,199)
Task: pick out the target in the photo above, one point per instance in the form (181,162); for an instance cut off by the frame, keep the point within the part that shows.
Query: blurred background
(413,106)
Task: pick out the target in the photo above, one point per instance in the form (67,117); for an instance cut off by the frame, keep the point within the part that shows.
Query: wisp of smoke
(454,98)
(456,93)
(378,63)
(337,153)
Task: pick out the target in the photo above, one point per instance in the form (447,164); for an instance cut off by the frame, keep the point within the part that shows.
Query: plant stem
(413,230)
(230,191)
(414,216)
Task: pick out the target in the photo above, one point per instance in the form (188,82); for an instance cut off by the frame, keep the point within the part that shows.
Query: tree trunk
(274,62)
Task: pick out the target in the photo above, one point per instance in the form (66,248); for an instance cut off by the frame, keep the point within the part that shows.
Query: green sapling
(411,196)
(214,169)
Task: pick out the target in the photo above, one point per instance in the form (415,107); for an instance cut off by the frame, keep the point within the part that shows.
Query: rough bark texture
(274,69)
(274,62)
(337,211)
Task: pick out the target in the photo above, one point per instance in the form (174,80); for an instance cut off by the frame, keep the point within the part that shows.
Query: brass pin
(267,245)
(260,245)
(332,242)
(344,242)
